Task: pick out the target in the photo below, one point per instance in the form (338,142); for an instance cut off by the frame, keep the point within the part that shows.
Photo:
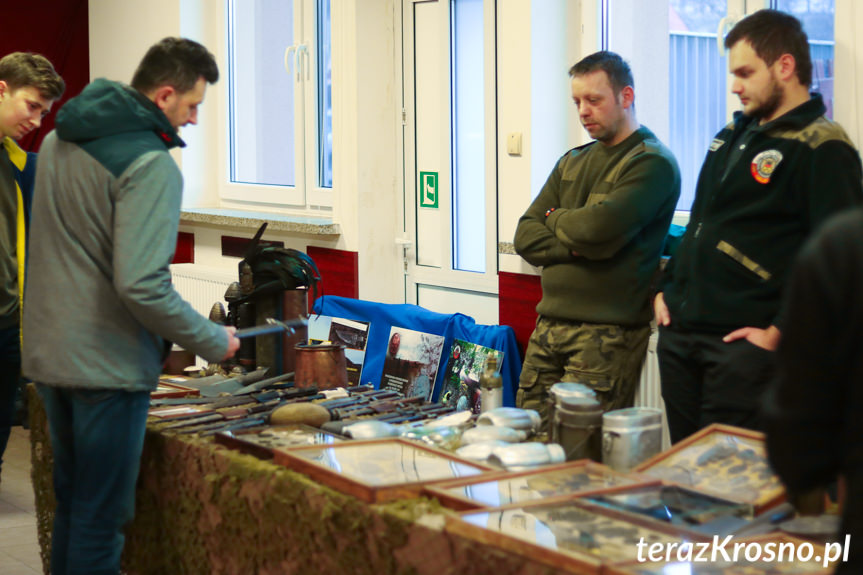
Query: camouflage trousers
(605,357)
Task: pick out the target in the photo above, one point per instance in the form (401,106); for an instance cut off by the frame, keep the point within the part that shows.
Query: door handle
(288,51)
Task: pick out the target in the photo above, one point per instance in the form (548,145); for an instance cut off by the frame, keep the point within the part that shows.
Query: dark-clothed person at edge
(101,306)
(597,230)
(770,178)
(812,411)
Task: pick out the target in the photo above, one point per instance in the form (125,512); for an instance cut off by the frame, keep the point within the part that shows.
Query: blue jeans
(97,437)
(10,381)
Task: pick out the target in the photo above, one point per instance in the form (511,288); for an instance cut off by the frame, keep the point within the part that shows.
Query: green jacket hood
(105,108)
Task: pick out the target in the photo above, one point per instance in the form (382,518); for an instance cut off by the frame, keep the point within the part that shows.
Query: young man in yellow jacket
(29,86)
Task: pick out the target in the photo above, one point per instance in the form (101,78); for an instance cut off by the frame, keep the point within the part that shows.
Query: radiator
(649,392)
(202,286)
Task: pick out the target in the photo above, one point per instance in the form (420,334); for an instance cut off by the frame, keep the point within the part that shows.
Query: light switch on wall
(513,144)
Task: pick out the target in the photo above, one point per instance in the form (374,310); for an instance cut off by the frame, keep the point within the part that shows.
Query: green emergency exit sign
(428,190)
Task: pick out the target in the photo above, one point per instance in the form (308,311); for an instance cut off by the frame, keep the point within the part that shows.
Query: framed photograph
(377,470)
(723,460)
(565,534)
(778,543)
(261,441)
(581,477)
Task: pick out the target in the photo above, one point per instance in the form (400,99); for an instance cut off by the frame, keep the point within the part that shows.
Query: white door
(448,151)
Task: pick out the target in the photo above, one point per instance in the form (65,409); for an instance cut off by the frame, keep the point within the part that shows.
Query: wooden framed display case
(722,460)
(741,565)
(376,471)
(581,477)
(678,506)
(565,533)
(261,441)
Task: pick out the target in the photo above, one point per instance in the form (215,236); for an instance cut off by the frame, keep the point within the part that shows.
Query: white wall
(534,98)
(635,24)
(513,101)
(369,197)
(122,30)
(848,100)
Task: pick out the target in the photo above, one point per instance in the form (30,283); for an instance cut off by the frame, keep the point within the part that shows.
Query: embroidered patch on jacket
(716,144)
(764,164)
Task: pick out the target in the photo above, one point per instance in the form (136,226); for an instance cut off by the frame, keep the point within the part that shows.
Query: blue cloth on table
(452,326)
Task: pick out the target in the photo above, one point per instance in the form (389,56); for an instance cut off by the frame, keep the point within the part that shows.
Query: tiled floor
(19,548)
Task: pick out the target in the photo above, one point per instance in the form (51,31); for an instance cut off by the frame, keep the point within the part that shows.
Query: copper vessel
(321,365)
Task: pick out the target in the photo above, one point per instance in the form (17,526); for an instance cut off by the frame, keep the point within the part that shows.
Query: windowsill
(232,218)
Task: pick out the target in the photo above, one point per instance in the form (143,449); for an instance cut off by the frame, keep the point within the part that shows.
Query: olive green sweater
(612,207)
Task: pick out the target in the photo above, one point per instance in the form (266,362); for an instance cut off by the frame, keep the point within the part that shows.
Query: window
(818,18)
(698,87)
(468,136)
(280,102)
(689,101)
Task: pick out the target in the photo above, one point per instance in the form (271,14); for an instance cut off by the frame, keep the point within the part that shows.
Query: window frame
(307,196)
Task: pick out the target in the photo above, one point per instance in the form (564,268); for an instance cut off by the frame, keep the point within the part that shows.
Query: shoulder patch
(818,132)
(716,144)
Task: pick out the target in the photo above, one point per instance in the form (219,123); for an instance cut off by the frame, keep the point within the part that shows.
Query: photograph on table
(411,362)
(352,334)
(465,365)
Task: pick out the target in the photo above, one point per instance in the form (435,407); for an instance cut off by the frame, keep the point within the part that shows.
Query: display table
(204,509)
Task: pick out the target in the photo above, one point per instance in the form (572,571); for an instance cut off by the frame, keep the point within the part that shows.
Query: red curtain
(58,30)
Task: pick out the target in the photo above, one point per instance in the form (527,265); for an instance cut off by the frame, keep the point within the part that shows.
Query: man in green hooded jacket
(101,305)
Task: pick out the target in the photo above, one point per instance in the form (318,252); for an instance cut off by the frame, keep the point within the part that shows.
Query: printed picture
(461,383)
(411,362)
(350,333)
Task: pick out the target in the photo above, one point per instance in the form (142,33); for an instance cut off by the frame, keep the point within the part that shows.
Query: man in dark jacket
(597,229)
(770,178)
(100,300)
(813,411)
(29,86)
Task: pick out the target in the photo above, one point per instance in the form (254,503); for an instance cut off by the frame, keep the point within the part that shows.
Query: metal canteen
(527,420)
(370,430)
(444,437)
(481,450)
(520,456)
(630,436)
(492,432)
